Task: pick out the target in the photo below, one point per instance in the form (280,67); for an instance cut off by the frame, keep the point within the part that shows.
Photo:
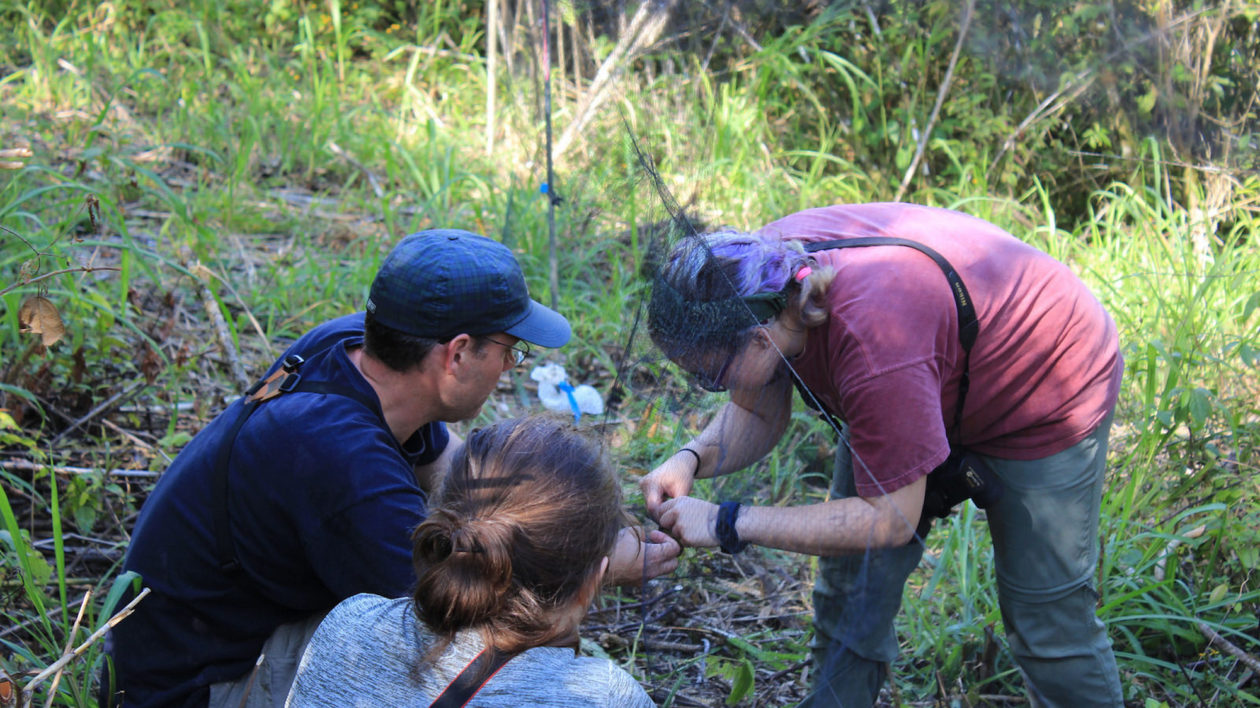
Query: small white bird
(557,394)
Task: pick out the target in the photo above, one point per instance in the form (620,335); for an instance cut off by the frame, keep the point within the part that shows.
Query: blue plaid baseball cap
(445,282)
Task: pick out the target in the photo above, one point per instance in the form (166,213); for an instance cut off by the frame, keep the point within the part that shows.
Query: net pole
(549,187)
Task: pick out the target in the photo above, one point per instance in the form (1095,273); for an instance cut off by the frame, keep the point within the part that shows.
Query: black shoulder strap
(968,323)
(292,381)
(480,670)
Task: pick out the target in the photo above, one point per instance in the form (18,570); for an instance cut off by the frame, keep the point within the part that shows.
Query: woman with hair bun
(511,556)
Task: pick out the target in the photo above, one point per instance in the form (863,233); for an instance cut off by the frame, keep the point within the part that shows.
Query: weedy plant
(217,177)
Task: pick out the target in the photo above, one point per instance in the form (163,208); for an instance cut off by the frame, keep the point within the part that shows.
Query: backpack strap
(481,669)
(286,379)
(968,322)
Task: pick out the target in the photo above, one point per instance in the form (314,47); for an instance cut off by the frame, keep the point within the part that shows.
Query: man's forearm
(740,435)
(836,527)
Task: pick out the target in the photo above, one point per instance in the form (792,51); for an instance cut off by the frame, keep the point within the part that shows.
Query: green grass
(282,148)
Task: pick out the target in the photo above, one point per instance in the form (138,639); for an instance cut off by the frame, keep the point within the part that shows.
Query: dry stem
(27,694)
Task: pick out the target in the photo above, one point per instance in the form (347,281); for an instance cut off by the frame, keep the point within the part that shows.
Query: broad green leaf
(1218,593)
(1200,406)
(1146,102)
(28,557)
(741,682)
(1252,303)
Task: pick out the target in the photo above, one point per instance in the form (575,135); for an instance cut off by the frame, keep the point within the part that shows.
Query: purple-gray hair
(759,264)
(697,300)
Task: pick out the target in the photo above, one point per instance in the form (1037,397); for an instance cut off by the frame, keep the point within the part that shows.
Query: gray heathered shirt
(368,651)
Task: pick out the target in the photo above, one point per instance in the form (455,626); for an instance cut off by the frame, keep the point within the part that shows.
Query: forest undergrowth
(186,187)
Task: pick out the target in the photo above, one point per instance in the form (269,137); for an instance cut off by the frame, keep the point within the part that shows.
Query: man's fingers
(666,516)
(658,536)
(664,546)
(652,497)
(662,557)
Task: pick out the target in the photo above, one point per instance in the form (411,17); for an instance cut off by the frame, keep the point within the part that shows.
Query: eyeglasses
(520,350)
(714,383)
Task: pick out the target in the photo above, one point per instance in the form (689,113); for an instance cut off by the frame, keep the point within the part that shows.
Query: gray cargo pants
(1045,549)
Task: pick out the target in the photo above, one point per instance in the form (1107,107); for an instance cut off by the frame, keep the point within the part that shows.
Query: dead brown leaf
(201,272)
(38,315)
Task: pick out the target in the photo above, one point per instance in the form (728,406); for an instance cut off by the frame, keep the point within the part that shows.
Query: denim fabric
(1045,538)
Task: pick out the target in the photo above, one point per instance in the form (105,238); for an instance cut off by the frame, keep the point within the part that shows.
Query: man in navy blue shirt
(304,492)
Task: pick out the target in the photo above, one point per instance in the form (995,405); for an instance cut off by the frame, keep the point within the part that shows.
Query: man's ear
(457,350)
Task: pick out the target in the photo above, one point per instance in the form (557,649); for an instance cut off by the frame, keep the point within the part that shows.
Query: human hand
(692,521)
(672,479)
(637,559)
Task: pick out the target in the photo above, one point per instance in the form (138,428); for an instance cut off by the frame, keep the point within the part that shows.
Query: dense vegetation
(184,186)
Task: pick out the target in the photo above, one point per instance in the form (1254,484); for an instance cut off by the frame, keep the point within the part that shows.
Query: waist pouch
(963,475)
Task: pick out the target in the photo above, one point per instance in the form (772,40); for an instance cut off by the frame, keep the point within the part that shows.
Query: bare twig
(661,645)
(78,620)
(1230,648)
(21,238)
(940,100)
(1074,87)
(1051,105)
(211,304)
(371,178)
(100,408)
(135,440)
(57,666)
(679,698)
(794,668)
(253,321)
(717,37)
(28,466)
(646,25)
(33,620)
(45,276)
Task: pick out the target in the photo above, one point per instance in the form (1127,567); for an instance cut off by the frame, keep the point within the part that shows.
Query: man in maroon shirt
(953,335)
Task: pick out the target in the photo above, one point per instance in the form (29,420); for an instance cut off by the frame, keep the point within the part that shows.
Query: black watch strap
(727,536)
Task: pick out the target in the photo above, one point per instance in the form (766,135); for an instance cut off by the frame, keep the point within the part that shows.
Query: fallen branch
(211,304)
(135,440)
(1230,648)
(28,466)
(100,408)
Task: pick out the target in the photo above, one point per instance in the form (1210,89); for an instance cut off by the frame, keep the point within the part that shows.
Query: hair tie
(803,273)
